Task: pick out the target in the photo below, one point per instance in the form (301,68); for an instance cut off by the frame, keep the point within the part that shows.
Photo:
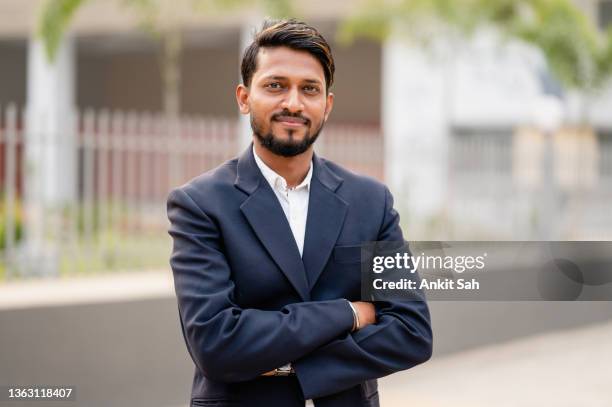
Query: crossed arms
(230,344)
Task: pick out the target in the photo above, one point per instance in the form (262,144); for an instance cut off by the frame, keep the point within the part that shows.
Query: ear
(329,105)
(242,97)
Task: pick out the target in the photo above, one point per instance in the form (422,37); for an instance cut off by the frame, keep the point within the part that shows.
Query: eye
(311,89)
(274,85)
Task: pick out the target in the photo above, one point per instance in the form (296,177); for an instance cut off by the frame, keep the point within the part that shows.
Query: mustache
(286,113)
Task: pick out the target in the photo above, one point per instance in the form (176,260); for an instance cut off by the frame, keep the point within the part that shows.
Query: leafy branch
(578,53)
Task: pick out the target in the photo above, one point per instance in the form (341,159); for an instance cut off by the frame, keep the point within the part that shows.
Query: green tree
(578,53)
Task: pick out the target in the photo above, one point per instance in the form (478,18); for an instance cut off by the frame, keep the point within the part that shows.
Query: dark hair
(292,34)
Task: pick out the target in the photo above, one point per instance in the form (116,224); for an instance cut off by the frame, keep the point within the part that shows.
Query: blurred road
(117,339)
(572,368)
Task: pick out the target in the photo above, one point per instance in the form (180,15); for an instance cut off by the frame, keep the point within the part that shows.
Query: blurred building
(461,154)
(116,65)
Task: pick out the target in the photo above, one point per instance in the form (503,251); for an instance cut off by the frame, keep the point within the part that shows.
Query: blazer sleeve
(226,342)
(400,339)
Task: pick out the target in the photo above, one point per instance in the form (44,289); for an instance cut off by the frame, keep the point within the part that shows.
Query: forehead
(287,62)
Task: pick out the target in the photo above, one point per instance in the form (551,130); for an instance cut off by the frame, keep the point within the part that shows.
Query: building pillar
(51,148)
(415,127)
(51,120)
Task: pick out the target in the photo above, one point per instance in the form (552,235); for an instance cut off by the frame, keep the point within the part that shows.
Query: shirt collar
(275,180)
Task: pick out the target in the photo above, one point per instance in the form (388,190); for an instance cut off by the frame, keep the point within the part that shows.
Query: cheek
(263,109)
(258,111)
(317,114)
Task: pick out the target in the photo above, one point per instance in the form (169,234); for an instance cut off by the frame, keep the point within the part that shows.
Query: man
(266,255)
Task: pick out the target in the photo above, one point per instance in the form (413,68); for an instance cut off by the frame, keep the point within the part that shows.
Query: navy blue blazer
(248,303)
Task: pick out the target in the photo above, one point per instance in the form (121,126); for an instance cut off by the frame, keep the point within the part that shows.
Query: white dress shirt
(294,202)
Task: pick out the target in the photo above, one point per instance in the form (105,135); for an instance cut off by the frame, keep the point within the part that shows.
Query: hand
(270,373)
(366,313)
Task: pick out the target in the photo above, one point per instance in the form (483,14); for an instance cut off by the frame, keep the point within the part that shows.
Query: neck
(292,169)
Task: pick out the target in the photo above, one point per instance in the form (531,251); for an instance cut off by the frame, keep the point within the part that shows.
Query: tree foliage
(54,18)
(155,16)
(578,53)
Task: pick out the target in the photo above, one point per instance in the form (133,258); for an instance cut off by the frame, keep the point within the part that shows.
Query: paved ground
(117,338)
(571,368)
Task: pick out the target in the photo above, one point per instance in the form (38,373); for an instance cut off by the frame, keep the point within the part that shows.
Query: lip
(291,123)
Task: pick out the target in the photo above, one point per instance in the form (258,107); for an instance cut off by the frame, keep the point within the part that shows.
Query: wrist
(284,370)
(356,323)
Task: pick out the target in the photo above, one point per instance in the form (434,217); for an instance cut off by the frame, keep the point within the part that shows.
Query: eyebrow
(278,77)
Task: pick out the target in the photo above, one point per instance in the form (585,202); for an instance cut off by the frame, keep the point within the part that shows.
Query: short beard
(287,148)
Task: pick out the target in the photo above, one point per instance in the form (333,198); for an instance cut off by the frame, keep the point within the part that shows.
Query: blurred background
(488,120)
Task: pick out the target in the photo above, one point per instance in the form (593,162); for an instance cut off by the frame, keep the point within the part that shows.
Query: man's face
(286,100)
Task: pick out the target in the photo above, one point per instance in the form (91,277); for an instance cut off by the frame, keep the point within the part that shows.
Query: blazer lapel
(265,215)
(326,213)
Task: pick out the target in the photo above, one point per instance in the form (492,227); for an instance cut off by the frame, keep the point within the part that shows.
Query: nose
(292,101)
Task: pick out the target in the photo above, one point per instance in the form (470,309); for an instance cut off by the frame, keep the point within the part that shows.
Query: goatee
(284,148)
